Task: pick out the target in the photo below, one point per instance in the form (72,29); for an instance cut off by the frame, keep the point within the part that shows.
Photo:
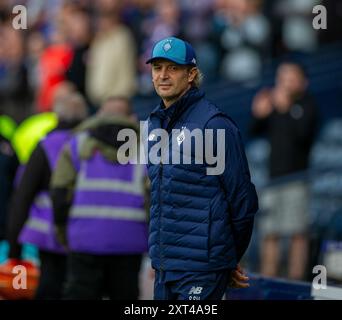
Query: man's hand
(262,104)
(281,100)
(238,278)
(151,273)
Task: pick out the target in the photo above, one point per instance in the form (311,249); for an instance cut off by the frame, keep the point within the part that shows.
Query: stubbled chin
(164,92)
(165,88)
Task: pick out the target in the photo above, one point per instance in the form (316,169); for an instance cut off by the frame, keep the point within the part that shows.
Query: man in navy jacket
(200,223)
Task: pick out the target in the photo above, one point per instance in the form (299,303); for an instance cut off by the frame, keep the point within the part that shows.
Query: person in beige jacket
(111,67)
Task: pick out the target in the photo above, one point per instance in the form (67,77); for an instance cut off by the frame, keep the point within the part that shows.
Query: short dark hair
(301,68)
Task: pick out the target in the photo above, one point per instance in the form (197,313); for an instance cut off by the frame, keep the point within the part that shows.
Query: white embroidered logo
(167,46)
(195,290)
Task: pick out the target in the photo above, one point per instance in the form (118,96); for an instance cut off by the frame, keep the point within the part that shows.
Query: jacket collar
(177,108)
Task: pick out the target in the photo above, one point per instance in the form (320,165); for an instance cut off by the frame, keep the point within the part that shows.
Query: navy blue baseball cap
(174,49)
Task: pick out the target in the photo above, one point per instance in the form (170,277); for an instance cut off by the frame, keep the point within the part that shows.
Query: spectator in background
(111,69)
(99,207)
(14,89)
(53,65)
(110,5)
(8,167)
(30,218)
(62,90)
(243,33)
(79,37)
(138,15)
(134,15)
(36,44)
(42,16)
(165,22)
(287,115)
(196,20)
(197,28)
(297,33)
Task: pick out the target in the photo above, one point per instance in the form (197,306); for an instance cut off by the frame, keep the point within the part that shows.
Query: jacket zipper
(160,220)
(161,205)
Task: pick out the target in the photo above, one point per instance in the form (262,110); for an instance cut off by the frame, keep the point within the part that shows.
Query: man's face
(115,107)
(291,79)
(171,80)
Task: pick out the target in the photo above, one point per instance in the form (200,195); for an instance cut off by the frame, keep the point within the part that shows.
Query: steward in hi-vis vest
(30,219)
(99,207)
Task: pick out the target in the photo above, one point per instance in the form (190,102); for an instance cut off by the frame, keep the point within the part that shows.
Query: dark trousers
(190,285)
(52,276)
(92,277)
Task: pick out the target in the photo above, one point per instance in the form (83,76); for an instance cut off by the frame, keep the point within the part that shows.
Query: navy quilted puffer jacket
(199,222)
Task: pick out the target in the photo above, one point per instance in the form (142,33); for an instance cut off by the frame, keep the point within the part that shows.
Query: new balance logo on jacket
(195,290)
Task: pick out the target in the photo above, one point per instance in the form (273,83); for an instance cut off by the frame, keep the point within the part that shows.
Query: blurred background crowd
(99,49)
